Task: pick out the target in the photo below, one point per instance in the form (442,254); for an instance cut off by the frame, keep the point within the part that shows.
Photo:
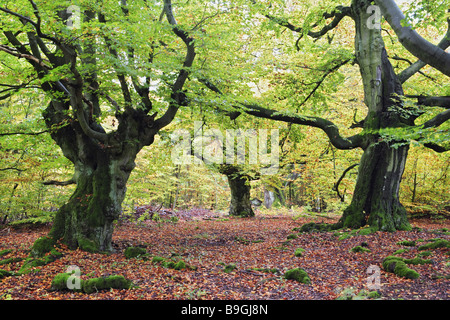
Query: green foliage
(251,59)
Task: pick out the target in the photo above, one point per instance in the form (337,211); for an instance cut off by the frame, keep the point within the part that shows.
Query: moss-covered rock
(297,274)
(172,263)
(59,283)
(42,246)
(106,283)
(397,265)
(229,267)
(317,227)
(299,252)
(352,294)
(134,252)
(360,249)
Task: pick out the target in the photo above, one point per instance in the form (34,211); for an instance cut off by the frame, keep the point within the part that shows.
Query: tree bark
(86,220)
(101,174)
(239,183)
(411,40)
(376,197)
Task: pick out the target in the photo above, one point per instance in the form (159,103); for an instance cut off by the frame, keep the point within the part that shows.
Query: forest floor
(229,255)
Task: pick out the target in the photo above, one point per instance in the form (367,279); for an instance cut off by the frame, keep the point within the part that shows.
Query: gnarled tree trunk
(239,183)
(376,197)
(101,173)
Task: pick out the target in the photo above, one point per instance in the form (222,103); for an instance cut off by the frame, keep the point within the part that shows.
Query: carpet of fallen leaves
(209,241)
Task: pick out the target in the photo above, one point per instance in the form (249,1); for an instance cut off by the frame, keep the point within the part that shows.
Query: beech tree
(376,196)
(78,56)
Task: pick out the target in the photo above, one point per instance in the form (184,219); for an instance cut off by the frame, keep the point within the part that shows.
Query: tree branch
(59,183)
(411,40)
(12,168)
(419,64)
(438,119)
(24,133)
(330,129)
(336,185)
(178,95)
(429,101)
(338,14)
(435,147)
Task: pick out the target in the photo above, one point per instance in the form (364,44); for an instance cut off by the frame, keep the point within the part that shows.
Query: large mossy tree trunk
(101,172)
(86,220)
(376,197)
(239,183)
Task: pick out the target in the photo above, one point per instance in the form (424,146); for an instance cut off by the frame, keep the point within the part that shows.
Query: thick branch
(411,40)
(416,66)
(437,148)
(330,129)
(429,101)
(438,119)
(178,95)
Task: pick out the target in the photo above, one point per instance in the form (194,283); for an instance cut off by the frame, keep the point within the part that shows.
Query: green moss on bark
(91,285)
(42,246)
(439,243)
(397,265)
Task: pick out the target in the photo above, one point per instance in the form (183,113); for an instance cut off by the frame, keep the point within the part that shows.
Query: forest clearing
(239,259)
